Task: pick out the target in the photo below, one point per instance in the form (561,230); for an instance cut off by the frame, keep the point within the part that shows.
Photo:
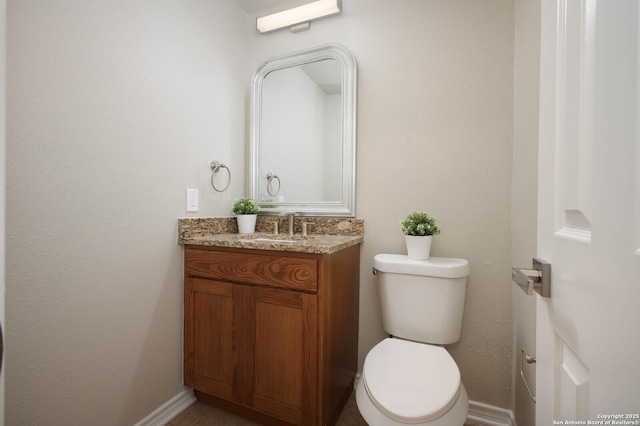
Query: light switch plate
(192,200)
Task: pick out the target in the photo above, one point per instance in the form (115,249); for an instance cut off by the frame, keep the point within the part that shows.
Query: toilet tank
(422,300)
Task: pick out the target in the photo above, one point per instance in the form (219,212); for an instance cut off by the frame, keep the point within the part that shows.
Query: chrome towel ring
(270,179)
(215,168)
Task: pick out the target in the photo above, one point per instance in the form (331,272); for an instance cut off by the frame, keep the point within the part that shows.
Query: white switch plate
(192,200)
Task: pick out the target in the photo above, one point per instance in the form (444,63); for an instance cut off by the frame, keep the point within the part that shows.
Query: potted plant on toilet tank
(418,229)
(246,211)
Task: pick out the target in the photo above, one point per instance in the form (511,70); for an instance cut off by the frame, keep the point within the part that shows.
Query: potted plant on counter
(418,229)
(246,212)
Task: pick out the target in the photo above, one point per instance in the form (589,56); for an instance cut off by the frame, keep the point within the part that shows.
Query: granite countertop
(321,244)
(331,234)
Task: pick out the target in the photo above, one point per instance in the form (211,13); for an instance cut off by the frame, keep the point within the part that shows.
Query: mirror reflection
(303,133)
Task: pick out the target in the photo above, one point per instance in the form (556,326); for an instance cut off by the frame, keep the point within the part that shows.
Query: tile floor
(204,415)
(201,414)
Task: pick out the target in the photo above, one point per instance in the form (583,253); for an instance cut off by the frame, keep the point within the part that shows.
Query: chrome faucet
(292,217)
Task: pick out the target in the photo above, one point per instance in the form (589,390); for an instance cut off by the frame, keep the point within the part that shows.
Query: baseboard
(480,414)
(487,415)
(170,409)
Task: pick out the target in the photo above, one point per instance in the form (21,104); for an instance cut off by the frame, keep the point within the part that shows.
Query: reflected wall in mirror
(303,133)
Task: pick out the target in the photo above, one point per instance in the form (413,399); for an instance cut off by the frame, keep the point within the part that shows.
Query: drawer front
(278,271)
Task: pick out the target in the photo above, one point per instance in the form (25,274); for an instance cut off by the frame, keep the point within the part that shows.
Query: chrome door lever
(538,278)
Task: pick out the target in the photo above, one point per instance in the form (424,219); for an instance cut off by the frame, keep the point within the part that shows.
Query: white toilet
(409,379)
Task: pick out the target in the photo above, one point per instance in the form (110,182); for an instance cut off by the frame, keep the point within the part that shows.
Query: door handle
(538,278)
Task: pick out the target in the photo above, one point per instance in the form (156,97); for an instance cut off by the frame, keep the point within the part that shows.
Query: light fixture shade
(305,13)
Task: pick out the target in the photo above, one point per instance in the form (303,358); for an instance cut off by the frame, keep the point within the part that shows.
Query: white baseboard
(170,409)
(480,414)
(487,415)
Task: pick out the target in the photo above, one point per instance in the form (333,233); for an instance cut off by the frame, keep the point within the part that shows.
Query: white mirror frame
(346,206)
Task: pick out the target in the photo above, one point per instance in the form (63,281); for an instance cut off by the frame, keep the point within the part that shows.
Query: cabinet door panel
(211,331)
(282,353)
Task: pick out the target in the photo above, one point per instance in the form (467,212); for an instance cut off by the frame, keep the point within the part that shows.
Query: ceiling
(327,74)
(251,6)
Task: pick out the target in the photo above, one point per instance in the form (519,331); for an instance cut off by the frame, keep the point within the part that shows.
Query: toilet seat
(411,382)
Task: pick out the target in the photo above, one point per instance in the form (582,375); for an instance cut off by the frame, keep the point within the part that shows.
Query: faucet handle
(305,227)
(275,228)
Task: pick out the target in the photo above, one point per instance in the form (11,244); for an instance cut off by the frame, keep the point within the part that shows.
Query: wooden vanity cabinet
(270,335)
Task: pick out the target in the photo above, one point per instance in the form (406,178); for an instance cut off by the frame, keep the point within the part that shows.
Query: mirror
(303,129)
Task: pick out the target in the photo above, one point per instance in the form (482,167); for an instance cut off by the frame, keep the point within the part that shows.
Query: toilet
(410,378)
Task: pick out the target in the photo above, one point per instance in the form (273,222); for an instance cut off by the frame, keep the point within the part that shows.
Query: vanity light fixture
(299,18)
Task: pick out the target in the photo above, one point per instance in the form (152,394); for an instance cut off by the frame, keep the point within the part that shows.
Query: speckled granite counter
(327,235)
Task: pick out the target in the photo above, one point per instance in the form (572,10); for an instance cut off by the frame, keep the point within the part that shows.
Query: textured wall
(114,108)
(523,195)
(435,117)
(3,144)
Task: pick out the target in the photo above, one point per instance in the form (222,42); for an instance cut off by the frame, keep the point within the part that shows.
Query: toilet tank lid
(442,267)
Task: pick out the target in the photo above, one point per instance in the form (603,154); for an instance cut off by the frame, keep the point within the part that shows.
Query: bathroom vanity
(271,320)
(271,324)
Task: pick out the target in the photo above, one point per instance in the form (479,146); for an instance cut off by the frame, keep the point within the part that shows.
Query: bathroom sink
(272,240)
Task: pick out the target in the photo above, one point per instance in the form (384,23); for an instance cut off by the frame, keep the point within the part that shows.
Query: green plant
(420,224)
(244,206)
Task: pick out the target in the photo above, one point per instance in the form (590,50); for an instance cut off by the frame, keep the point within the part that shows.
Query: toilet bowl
(410,378)
(406,382)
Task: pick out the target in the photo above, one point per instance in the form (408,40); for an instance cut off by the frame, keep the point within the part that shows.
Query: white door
(588,344)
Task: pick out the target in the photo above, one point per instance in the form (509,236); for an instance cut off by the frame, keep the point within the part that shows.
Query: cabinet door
(280,354)
(211,330)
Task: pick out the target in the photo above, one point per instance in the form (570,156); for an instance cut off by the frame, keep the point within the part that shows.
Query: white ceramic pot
(247,223)
(418,247)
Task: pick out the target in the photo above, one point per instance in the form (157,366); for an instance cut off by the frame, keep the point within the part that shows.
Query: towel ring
(270,178)
(215,168)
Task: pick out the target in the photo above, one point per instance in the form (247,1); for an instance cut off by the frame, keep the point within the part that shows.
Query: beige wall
(435,117)
(115,109)
(3,144)
(524,194)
